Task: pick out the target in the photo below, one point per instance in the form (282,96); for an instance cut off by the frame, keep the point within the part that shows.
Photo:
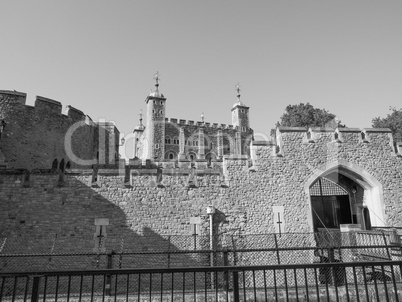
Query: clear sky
(100,56)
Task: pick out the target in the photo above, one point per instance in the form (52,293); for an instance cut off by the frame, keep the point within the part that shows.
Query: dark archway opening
(331,205)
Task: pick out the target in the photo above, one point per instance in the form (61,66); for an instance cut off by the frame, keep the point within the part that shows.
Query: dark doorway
(330,211)
(330,205)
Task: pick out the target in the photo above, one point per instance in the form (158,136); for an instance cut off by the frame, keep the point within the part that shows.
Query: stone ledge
(291,129)
(235,157)
(377,130)
(47,100)
(352,130)
(263,143)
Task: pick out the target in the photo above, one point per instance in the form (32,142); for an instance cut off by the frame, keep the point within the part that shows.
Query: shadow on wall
(54,224)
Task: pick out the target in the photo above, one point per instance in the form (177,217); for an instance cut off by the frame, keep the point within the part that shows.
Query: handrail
(201,269)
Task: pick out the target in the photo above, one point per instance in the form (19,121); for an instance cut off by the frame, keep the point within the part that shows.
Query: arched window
(55,165)
(171,156)
(61,166)
(167,140)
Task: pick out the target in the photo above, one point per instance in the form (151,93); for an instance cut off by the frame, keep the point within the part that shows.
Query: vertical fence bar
(286,285)
(35,289)
(216,285)
(109,265)
(195,286)
(92,288)
(265,286)
(2,287)
(26,288)
(104,288)
(335,281)
(394,283)
(150,287)
(205,287)
(316,285)
(244,285)
(115,287)
(346,283)
(81,283)
(236,294)
(172,288)
(328,278)
(168,251)
(184,286)
(254,287)
(275,286)
(356,285)
(384,279)
(161,287)
(365,282)
(127,286)
(296,289)
(234,251)
(306,284)
(68,288)
(139,287)
(373,276)
(14,288)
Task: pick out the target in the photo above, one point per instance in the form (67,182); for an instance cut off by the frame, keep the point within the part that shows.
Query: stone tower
(155,129)
(138,136)
(240,113)
(240,121)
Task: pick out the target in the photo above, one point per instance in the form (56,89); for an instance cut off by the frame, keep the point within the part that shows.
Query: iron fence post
(109,277)
(226,274)
(236,294)
(35,289)
(168,255)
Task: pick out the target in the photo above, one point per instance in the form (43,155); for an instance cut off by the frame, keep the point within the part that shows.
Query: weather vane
(156,78)
(238,90)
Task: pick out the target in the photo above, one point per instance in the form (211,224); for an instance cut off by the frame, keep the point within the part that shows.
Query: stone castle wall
(35,136)
(161,200)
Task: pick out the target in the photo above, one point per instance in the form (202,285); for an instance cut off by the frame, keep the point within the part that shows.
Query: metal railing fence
(361,281)
(18,254)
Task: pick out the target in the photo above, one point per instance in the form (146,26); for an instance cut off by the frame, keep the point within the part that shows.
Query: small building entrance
(330,205)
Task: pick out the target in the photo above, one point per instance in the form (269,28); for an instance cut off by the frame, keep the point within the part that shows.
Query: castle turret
(155,129)
(240,121)
(138,134)
(240,113)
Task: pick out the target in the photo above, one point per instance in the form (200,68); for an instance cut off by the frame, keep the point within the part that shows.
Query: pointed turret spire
(140,127)
(156,93)
(156,78)
(239,102)
(238,91)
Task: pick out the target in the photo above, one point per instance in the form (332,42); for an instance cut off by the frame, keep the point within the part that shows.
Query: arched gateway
(342,192)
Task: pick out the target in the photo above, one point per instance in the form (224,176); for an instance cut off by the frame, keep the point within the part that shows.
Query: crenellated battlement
(347,135)
(39,136)
(200,124)
(288,141)
(16,101)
